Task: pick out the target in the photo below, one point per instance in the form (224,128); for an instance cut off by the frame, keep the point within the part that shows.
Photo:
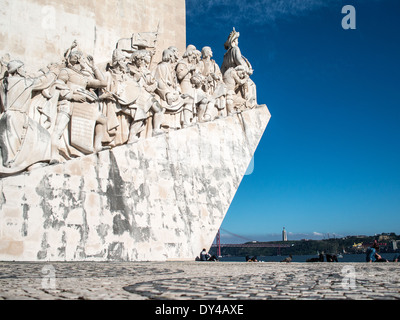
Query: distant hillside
(349,244)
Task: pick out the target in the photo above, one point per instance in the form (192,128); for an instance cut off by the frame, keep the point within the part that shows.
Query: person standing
(372,252)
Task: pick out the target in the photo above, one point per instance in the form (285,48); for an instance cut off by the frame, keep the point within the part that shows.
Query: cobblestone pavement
(198,280)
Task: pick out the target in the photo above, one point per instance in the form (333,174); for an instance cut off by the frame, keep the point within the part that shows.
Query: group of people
(321,258)
(74,108)
(372,255)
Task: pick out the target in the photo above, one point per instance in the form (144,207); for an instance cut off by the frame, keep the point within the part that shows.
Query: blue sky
(329,160)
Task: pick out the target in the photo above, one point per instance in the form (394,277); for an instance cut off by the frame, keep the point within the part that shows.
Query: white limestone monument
(117,141)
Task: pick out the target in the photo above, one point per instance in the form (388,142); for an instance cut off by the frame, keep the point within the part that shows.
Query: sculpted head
(206,52)
(196,56)
(167,55)
(147,57)
(190,47)
(118,57)
(140,58)
(175,52)
(16,67)
(232,40)
(74,57)
(190,53)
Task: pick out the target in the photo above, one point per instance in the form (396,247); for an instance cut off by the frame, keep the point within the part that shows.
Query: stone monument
(136,157)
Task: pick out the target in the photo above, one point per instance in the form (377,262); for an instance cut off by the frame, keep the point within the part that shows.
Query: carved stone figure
(43,107)
(114,74)
(130,94)
(191,80)
(235,79)
(176,56)
(147,100)
(213,85)
(233,58)
(80,105)
(23,142)
(172,100)
(120,94)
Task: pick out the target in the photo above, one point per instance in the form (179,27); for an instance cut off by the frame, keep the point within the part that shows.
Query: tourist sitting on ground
(331,258)
(205,256)
(288,259)
(378,258)
(319,259)
(254,259)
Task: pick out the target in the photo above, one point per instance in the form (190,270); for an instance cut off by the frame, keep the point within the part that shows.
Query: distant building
(284,235)
(383,237)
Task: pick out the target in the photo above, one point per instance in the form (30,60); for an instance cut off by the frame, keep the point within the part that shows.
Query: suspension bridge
(249,244)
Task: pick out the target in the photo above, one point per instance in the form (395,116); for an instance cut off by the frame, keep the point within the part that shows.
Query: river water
(344,258)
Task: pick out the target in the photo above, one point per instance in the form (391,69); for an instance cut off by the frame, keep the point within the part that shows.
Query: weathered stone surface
(38,31)
(162,198)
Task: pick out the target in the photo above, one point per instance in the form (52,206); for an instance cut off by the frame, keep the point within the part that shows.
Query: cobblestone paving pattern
(199,280)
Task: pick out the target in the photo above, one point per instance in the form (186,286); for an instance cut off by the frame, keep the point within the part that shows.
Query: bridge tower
(219,243)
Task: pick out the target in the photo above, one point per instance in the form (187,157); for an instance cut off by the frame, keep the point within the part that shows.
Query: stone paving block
(239,295)
(311,297)
(184,280)
(263,295)
(333,297)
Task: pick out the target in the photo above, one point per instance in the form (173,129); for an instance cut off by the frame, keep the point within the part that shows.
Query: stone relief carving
(73,108)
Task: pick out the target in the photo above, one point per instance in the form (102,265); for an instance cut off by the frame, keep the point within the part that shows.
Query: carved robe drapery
(23,141)
(83,114)
(233,58)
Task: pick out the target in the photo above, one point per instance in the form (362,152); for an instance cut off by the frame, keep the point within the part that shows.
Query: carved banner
(83,122)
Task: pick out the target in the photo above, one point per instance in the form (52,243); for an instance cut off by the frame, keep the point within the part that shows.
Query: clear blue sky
(329,160)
